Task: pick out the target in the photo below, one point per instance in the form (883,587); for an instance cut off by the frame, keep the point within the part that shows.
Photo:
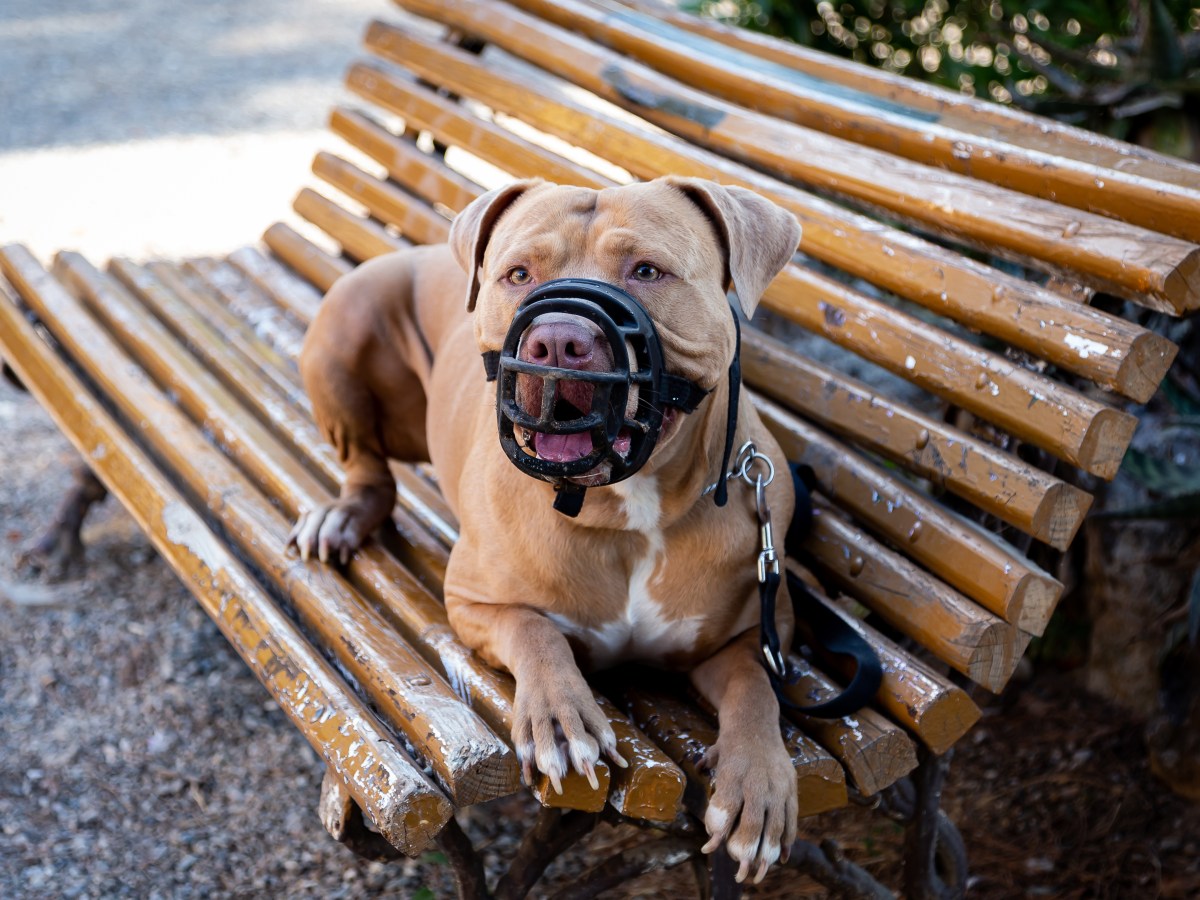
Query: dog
(649,568)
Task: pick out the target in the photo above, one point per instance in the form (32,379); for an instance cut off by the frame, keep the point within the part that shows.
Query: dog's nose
(565,345)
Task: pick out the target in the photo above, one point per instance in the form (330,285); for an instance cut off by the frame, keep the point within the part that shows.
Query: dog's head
(673,245)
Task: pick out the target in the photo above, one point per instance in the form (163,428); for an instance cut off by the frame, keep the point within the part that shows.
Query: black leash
(829,630)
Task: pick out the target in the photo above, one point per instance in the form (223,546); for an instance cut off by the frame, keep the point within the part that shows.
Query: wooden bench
(177,383)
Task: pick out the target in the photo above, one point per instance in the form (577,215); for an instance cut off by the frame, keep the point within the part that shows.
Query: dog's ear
(473,226)
(759,236)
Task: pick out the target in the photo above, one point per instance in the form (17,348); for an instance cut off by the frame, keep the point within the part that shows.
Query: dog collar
(637,360)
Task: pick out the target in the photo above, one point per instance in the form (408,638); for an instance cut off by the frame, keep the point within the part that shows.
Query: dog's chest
(643,630)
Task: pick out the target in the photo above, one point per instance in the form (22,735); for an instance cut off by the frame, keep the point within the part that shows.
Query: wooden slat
(472,762)
(969,559)
(526,159)
(955,630)
(686,735)
(1084,432)
(404,161)
(295,294)
(951,108)
(392,791)
(1026,497)
(1111,351)
(360,238)
(875,753)
(1147,267)
(309,260)
(244,302)
(272,366)
(386,202)
(744,78)
(646,786)
(413,493)
(926,703)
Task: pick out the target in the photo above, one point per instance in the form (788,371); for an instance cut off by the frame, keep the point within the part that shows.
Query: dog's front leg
(753,807)
(556,720)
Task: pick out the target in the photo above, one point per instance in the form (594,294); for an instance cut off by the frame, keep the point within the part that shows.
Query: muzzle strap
(735,390)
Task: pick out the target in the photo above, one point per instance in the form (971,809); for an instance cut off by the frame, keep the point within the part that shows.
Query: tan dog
(651,570)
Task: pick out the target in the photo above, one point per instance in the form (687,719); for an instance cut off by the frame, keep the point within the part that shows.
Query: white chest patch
(641,632)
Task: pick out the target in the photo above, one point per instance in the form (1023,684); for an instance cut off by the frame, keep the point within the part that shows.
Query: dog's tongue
(562,447)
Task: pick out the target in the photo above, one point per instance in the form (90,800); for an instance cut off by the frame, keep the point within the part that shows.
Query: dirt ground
(139,757)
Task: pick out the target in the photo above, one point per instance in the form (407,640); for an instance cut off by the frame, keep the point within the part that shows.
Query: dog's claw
(589,772)
(556,782)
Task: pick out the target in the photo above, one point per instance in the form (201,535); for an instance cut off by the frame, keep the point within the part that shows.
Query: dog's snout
(564,345)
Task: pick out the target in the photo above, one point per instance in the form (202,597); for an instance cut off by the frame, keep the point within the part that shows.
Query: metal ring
(746,465)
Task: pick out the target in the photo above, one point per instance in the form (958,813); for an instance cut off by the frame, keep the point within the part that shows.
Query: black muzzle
(637,361)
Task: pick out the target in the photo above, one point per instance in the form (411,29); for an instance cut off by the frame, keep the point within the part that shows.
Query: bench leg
(935,865)
(60,548)
(721,876)
(466,863)
(344,821)
(552,833)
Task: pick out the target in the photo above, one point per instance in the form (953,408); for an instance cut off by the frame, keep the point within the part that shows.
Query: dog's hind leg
(60,548)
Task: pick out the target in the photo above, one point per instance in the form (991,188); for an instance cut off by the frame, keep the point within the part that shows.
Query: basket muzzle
(623,430)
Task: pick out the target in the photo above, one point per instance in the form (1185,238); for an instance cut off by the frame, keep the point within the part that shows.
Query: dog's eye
(519,275)
(647,272)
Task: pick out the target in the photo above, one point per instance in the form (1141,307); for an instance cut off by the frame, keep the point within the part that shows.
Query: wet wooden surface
(875,753)
(912,693)
(1146,266)
(687,734)
(975,562)
(387,785)
(469,760)
(869,120)
(971,115)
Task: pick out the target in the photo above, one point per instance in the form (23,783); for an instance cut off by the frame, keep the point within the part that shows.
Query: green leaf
(424,893)
(434,858)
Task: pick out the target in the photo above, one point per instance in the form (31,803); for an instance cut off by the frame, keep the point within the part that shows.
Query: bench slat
(686,734)
(958,632)
(404,161)
(1144,266)
(390,788)
(972,115)
(310,261)
(296,295)
(875,753)
(867,120)
(1037,503)
(524,159)
(912,693)
(1109,350)
(988,571)
(471,761)
(386,202)
(360,238)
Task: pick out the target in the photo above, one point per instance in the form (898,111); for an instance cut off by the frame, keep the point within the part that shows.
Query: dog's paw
(331,532)
(753,807)
(557,725)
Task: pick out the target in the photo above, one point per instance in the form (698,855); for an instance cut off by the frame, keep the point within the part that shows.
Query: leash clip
(768,559)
